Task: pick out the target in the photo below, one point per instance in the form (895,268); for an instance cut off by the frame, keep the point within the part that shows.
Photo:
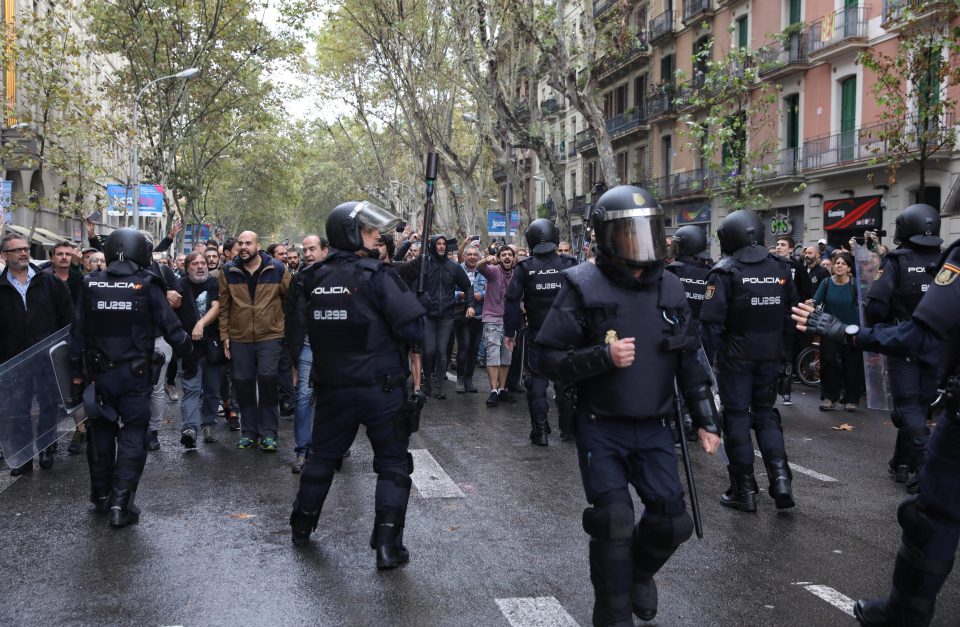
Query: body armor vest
(352,344)
(694,279)
(118,321)
(756,308)
(913,280)
(645,389)
(542,279)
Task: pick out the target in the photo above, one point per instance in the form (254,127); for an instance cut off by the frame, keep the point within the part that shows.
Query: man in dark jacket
(443,278)
(33,306)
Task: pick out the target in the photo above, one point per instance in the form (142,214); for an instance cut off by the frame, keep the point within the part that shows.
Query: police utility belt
(99,363)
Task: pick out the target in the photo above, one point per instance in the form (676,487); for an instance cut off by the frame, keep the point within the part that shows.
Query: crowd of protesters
(235,298)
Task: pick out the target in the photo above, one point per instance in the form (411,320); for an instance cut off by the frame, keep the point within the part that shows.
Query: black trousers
(469,331)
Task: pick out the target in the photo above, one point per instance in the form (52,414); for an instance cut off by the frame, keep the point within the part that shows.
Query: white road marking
(431,481)
(805,471)
(535,612)
(831,596)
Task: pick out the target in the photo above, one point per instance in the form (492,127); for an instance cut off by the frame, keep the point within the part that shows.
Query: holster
(155,365)
(409,419)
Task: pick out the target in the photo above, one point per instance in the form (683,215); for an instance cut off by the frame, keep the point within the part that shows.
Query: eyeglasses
(17,250)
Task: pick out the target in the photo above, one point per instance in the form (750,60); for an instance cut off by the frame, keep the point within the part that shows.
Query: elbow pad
(702,408)
(580,364)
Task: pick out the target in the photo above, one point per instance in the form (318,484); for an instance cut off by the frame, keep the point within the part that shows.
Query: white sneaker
(172,395)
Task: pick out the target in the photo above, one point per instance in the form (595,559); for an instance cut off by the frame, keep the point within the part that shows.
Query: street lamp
(134,165)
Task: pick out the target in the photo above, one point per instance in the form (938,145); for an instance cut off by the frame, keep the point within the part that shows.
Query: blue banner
(497,222)
(151,201)
(6,200)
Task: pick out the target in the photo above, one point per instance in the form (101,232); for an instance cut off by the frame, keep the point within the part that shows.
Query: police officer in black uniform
(536,283)
(931,519)
(622,331)
(746,315)
(900,284)
(358,313)
(112,339)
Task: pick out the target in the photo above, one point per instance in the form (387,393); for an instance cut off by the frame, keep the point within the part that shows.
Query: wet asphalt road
(213,545)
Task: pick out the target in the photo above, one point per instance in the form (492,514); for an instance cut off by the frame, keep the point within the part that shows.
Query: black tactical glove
(825,325)
(189,366)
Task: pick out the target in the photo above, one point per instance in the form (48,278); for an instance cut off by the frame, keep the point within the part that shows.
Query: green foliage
(724,111)
(57,110)
(912,89)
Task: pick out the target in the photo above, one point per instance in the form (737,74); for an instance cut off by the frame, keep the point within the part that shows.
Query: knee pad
(301,521)
(314,475)
(667,532)
(913,520)
(611,518)
(400,479)
(377,467)
(269,390)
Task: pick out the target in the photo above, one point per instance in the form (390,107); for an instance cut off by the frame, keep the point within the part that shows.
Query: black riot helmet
(691,241)
(628,223)
(128,245)
(543,236)
(741,236)
(920,225)
(346,219)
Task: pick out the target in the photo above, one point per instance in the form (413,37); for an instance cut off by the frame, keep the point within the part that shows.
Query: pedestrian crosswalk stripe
(535,612)
(431,481)
(840,601)
(6,480)
(805,471)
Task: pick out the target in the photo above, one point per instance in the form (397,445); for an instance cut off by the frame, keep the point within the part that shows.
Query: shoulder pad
(725,266)
(593,287)
(672,293)
(569,260)
(371,265)
(525,262)
(898,252)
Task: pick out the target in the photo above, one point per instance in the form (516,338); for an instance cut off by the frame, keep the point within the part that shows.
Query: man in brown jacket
(253,288)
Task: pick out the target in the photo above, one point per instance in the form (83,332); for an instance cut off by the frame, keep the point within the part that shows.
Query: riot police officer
(358,313)
(900,284)
(692,265)
(621,330)
(931,519)
(536,282)
(112,338)
(745,314)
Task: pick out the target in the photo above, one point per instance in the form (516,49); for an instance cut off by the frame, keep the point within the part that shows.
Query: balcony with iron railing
(896,12)
(585,140)
(602,6)
(837,32)
(661,26)
(780,164)
(549,106)
(617,126)
(691,184)
(873,142)
(780,58)
(616,64)
(660,103)
(695,11)
(687,90)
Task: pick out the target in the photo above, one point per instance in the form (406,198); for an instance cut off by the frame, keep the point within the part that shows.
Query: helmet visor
(635,236)
(370,216)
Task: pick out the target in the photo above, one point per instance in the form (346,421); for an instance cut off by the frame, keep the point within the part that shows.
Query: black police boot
(153,441)
(781,479)
(122,511)
(387,539)
(100,499)
(744,494)
(643,595)
(899,472)
(538,431)
(302,524)
(21,470)
(874,613)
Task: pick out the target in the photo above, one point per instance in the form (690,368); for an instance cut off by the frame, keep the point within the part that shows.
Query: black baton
(685,453)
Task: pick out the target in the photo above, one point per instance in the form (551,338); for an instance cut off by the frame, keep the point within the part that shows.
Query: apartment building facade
(824,177)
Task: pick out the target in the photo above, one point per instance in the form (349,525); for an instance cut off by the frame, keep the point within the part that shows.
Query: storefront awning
(51,235)
(38,237)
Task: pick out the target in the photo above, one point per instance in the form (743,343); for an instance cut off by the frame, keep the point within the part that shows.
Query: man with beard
(498,271)
(252,290)
(201,393)
(212,256)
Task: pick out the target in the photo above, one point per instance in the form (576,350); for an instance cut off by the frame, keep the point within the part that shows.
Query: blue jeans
(303,417)
(201,395)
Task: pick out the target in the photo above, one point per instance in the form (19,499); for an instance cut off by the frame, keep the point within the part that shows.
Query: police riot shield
(874,365)
(31,408)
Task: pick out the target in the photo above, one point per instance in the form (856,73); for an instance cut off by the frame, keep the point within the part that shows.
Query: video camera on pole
(431,176)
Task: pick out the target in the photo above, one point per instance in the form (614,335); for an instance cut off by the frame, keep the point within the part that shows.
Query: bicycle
(807,366)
